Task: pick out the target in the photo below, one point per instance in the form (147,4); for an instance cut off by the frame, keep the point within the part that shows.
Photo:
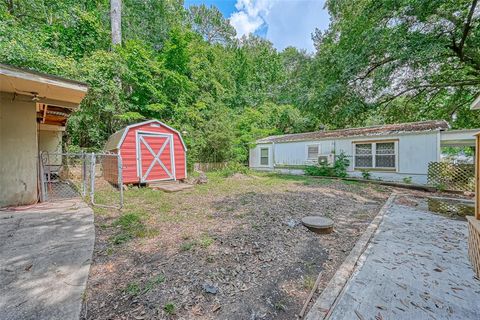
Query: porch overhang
(41,87)
(458,138)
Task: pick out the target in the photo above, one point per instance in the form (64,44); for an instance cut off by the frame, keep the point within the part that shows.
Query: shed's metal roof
(115,140)
(387,129)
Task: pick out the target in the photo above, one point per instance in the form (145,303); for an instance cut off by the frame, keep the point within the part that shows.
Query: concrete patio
(415,267)
(45,256)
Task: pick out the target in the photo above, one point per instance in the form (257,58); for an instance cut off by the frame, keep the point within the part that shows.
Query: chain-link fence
(96,177)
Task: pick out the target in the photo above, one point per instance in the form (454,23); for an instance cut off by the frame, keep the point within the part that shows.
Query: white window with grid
(264,156)
(312,152)
(376,155)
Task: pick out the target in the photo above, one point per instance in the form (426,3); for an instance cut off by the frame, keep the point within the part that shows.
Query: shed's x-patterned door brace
(158,164)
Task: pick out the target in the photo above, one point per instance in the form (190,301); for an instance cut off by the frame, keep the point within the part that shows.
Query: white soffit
(20,81)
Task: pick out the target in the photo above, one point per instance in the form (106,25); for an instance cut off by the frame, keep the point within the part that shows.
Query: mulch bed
(235,254)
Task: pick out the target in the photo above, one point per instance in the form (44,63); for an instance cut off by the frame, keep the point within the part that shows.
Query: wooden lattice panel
(474,244)
(449,176)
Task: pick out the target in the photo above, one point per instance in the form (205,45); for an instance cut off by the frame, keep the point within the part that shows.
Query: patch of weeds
(366,174)
(378,187)
(407,180)
(132,289)
(109,251)
(210,216)
(169,308)
(316,182)
(308,282)
(121,238)
(206,241)
(171,218)
(187,245)
(280,306)
(131,226)
(309,266)
(255,226)
(151,283)
(240,216)
(210,259)
(351,182)
(129,221)
(362,214)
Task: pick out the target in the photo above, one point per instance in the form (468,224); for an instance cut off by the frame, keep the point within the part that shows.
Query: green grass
(153,282)
(206,241)
(308,282)
(131,225)
(169,308)
(351,182)
(187,245)
(133,289)
(145,208)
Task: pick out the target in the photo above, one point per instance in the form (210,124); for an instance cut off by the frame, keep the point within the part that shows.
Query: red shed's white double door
(155,156)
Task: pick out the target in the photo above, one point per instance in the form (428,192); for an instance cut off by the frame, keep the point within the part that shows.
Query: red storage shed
(150,151)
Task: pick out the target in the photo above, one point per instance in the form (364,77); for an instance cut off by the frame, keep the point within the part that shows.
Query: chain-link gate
(96,177)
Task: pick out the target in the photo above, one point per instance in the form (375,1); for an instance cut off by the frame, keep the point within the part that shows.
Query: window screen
(313,151)
(363,155)
(385,155)
(264,156)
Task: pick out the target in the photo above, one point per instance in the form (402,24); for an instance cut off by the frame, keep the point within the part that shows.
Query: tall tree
(116,21)
(210,23)
(386,54)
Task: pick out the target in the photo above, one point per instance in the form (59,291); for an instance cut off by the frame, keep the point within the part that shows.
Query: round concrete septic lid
(317,222)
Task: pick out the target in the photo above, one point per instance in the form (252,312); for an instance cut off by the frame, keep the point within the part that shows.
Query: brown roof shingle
(378,130)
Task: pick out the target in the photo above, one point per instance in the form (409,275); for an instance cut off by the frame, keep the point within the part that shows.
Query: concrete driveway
(45,256)
(416,267)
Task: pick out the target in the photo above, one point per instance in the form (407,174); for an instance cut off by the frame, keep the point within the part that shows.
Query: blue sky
(283,22)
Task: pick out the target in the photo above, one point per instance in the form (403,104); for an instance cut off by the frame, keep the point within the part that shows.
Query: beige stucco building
(34,108)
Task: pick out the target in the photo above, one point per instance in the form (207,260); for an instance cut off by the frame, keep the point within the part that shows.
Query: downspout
(273,155)
(439,146)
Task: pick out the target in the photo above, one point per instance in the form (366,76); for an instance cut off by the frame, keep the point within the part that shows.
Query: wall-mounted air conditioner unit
(326,159)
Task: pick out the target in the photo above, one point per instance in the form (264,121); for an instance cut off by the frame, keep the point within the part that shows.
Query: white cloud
(250,16)
(288,22)
(292,22)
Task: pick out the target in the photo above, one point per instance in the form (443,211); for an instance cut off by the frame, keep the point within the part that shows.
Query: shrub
(319,171)
(339,168)
(340,165)
(366,174)
(232,168)
(407,180)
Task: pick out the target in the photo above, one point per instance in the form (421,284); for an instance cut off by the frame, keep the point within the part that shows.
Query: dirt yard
(231,249)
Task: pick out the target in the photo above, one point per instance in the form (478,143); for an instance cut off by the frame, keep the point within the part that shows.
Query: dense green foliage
(337,169)
(185,68)
(380,61)
(397,61)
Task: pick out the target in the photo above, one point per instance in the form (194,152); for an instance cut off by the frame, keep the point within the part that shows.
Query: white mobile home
(390,152)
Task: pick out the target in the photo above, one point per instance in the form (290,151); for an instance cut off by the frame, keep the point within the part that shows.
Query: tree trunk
(116,21)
